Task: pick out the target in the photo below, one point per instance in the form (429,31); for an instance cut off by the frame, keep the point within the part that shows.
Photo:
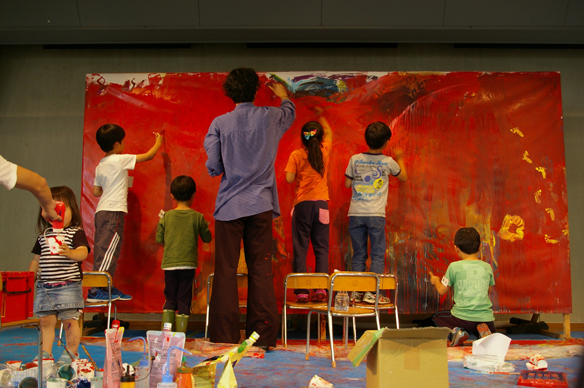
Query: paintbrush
(90,358)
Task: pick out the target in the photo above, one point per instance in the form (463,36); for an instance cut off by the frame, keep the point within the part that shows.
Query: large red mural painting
(482,149)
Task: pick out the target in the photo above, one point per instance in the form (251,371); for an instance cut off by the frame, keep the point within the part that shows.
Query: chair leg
(307,336)
(207,321)
(377,320)
(330,322)
(318,331)
(396,318)
(346,331)
(354,331)
(284,326)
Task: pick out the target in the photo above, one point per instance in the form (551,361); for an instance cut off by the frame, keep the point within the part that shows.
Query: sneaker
(458,337)
(302,298)
(483,330)
(66,358)
(100,296)
(319,296)
(358,296)
(120,294)
(370,298)
(46,356)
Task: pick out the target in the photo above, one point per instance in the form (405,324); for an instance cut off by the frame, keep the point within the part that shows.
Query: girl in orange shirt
(310,214)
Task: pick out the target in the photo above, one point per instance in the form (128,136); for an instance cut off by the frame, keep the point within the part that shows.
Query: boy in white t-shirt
(111,185)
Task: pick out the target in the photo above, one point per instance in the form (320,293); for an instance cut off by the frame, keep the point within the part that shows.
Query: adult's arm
(37,186)
(212,146)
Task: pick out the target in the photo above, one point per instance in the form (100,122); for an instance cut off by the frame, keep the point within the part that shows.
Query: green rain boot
(182,321)
(167,317)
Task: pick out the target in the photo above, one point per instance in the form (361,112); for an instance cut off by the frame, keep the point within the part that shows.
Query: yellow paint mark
(526,157)
(566,232)
(365,189)
(551,213)
(512,228)
(550,240)
(517,131)
(538,196)
(542,170)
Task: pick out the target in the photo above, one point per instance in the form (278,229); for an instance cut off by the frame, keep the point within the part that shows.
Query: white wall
(42,105)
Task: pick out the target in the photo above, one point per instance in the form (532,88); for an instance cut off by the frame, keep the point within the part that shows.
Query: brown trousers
(262,310)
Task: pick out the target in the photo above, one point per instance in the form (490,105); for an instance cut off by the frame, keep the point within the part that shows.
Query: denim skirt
(51,297)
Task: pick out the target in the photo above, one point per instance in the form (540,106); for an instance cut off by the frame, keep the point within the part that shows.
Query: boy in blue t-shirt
(471,280)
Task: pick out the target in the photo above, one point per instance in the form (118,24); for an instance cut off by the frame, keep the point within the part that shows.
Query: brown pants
(262,310)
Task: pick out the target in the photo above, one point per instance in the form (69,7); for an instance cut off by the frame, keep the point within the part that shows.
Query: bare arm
(34,264)
(399,158)
(77,254)
(37,185)
(152,151)
(97,191)
(290,177)
(328,132)
(348,182)
(279,90)
(435,280)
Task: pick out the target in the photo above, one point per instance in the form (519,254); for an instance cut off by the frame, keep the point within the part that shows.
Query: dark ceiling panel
(139,13)
(260,13)
(575,17)
(39,13)
(505,13)
(382,13)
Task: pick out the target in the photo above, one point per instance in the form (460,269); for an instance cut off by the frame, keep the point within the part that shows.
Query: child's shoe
(319,296)
(369,297)
(458,337)
(46,356)
(100,296)
(483,330)
(358,296)
(302,298)
(120,294)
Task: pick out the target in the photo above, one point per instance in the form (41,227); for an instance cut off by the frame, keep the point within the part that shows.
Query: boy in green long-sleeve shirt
(178,231)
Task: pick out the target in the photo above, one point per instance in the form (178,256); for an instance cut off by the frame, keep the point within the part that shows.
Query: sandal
(319,296)
(301,298)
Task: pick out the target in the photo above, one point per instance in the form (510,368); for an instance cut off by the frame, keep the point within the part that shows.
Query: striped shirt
(57,268)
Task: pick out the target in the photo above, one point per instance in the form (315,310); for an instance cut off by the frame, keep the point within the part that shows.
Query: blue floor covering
(289,369)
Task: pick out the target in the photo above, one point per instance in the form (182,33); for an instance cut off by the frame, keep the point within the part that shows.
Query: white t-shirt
(370,175)
(7,173)
(111,174)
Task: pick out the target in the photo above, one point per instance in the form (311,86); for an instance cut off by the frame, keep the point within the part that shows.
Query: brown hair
(66,195)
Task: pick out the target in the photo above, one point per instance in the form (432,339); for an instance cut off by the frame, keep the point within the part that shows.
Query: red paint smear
(465,168)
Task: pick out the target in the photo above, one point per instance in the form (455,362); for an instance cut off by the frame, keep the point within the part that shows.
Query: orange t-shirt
(311,185)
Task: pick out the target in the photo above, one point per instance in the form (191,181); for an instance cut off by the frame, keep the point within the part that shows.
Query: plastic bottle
(142,370)
(127,380)
(342,301)
(184,378)
(240,351)
(167,377)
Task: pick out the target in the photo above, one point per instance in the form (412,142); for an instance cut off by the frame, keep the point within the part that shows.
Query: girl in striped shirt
(59,293)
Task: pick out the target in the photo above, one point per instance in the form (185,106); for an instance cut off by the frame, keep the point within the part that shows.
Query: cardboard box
(17,296)
(404,358)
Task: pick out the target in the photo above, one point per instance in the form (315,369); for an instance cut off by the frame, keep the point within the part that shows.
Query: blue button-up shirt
(242,145)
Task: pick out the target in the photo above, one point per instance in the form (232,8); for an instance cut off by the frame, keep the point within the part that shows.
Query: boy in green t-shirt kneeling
(178,231)
(471,280)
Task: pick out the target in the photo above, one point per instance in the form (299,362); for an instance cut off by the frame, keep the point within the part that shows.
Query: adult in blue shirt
(241,146)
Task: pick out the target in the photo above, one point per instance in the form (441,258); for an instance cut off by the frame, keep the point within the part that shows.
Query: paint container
(143,369)
(167,378)
(96,382)
(56,383)
(14,364)
(28,382)
(83,368)
(60,209)
(66,372)
(127,380)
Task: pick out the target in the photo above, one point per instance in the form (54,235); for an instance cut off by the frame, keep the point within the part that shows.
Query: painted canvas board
(482,149)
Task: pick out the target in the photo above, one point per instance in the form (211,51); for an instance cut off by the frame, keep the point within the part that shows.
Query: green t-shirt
(470,281)
(179,231)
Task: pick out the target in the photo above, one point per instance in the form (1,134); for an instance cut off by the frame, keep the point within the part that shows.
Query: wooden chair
(104,280)
(241,283)
(309,281)
(345,281)
(386,282)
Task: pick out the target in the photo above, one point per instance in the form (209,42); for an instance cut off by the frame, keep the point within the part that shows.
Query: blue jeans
(359,229)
